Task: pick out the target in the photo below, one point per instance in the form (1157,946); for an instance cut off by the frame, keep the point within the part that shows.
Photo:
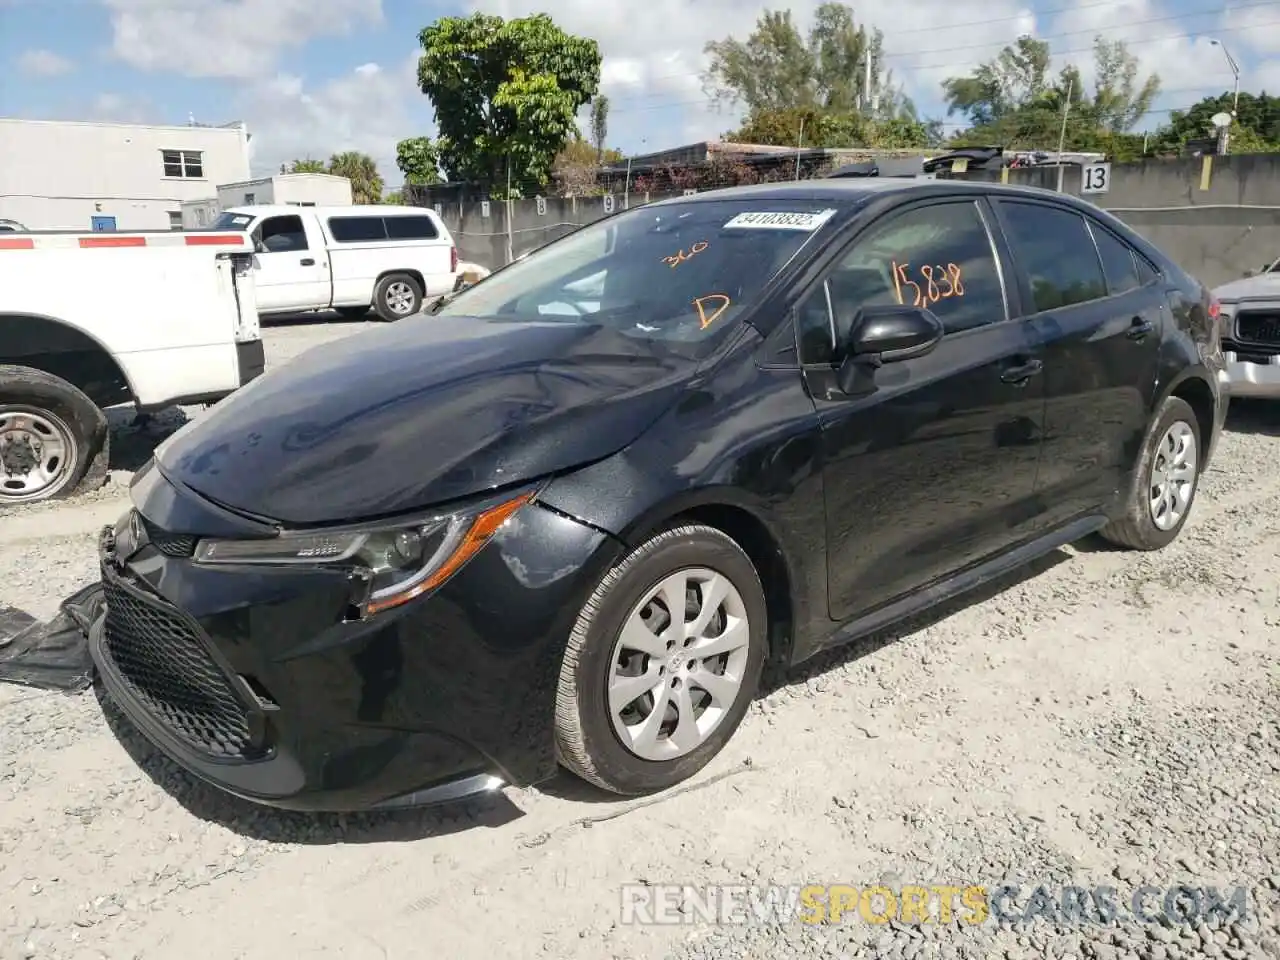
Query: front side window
(187,164)
(677,273)
(938,257)
(282,234)
(1054,248)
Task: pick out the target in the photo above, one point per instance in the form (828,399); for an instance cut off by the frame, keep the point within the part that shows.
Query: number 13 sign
(1095,178)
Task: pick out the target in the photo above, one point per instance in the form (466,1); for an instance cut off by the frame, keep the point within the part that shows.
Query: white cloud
(366,109)
(44,63)
(227,38)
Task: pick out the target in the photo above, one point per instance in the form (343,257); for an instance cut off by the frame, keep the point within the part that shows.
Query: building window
(187,164)
(175,220)
(250,198)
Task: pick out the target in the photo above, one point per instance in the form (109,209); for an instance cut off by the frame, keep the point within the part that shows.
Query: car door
(291,274)
(934,467)
(1095,308)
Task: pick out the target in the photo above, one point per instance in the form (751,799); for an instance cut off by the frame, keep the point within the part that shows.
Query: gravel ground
(1105,718)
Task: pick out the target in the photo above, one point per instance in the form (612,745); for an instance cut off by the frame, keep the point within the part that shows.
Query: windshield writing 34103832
(680,256)
(926,284)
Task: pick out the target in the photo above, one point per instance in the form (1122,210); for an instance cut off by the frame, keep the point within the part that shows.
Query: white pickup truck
(347,258)
(89,321)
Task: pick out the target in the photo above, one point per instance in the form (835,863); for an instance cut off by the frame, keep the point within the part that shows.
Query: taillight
(453,259)
(1215,309)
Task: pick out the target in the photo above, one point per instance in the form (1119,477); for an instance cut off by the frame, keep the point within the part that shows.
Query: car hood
(1263,286)
(420,413)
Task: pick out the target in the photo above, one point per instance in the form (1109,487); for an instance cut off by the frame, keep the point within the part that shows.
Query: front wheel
(398,295)
(1165,482)
(662,663)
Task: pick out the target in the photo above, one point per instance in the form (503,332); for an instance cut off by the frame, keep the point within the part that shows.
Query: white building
(57,175)
(295,189)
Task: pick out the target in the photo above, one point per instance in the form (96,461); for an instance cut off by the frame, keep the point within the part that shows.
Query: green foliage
(506,94)
(419,160)
(834,129)
(1256,129)
(362,171)
(306,166)
(395,198)
(599,124)
(776,68)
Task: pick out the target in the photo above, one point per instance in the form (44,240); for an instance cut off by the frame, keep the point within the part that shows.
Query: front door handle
(1139,328)
(308,262)
(1022,372)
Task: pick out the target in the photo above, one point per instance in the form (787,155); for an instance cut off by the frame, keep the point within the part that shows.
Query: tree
(506,94)
(362,171)
(395,198)
(1256,130)
(599,124)
(776,68)
(419,160)
(1011,100)
(305,166)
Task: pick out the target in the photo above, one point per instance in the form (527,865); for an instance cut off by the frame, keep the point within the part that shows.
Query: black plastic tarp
(53,654)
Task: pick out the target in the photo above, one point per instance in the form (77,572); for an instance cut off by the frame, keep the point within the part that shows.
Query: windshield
(676,273)
(232,221)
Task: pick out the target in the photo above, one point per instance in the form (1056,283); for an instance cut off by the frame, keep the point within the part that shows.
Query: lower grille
(170,544)
(1258,328)
(161,656)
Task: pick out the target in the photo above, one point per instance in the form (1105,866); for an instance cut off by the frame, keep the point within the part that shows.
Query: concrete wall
(58,175)
(1215,233)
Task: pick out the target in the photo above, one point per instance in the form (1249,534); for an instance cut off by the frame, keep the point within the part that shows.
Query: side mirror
(886,334)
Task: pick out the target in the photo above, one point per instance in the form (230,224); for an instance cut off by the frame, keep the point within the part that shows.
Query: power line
(1003,43)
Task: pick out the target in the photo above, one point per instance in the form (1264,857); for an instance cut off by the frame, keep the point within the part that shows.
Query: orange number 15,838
(935,283)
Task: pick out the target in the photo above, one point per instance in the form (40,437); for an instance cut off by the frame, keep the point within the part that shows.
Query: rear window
(676,273)
(411,228)
(357,229)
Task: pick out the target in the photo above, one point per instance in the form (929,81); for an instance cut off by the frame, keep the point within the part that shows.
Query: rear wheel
(663,662)
(1165,482)
(53,439)
(398,295)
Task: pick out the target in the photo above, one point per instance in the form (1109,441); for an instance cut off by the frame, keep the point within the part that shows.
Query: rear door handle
(1139,328)
(308,262)
(1022,372)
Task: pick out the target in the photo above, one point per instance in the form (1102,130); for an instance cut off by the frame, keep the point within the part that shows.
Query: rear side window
(1054,248)
(1118,262)
(357,229)
(411,228)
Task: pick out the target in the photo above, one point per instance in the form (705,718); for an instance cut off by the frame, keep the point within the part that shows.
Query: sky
(313,77)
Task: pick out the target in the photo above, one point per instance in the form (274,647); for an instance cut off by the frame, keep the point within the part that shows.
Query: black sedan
(566,519)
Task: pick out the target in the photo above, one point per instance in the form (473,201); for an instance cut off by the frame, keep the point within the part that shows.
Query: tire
(397,289)
(351,313)
(589,739)
(1138,528)
(39,411)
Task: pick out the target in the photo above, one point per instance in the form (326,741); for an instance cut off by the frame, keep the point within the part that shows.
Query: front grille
(1258,328)
(163,659)
(170,544)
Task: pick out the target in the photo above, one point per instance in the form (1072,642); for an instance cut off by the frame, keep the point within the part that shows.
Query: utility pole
(799,145)
(510,233)
(1062,137)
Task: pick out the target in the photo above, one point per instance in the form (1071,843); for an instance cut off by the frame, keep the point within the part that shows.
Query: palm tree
(362,171)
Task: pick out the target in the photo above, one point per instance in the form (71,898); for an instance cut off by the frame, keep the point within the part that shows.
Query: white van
(346,258)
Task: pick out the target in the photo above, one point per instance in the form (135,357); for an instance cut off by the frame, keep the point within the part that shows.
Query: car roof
(860,189)
(351,210)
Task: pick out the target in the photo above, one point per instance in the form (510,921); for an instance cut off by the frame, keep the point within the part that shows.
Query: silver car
(1251,333)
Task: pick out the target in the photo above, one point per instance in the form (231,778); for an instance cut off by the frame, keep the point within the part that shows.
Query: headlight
(405,559)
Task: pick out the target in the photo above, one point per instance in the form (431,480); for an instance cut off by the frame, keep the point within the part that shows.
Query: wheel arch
(1195,386)
(64,350)
(416,274)
(724,509)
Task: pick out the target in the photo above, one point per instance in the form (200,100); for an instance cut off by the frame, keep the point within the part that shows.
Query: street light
(1235,99)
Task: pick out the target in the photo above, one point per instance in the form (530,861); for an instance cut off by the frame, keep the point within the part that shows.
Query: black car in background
(567,518)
